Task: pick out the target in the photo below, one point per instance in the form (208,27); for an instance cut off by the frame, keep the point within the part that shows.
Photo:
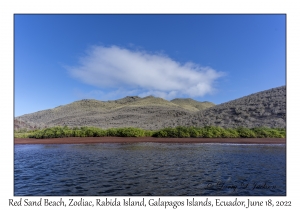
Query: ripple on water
(145,169)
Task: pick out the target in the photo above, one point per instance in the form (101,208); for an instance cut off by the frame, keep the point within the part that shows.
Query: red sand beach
(89,140)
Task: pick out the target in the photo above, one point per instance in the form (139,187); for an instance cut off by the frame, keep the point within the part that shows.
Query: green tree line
(177,132)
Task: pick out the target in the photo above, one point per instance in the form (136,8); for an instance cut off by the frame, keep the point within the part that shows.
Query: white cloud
(152,74)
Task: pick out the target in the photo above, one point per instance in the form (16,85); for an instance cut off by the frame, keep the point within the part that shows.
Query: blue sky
(59,59)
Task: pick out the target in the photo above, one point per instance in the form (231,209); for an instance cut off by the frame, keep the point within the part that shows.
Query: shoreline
(94,140)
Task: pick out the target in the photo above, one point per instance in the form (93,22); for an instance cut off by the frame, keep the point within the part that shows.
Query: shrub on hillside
(167,132)
(262,132)
(212,132)
(130,132)
(246,133)
(183,132)
(160,134)
(112,132)
(194,132)
(100,133)
(230,133)
(148,133)
(76,133)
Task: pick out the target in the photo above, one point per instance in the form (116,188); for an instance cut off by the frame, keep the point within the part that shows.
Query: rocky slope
(266,108)
(149,113)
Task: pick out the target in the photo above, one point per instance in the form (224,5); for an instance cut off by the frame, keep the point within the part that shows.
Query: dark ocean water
(149,169)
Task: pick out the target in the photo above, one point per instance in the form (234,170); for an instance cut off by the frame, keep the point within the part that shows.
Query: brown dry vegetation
(132,111)
(263,109)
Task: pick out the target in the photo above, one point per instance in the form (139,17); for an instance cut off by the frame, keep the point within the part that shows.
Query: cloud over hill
(152,74)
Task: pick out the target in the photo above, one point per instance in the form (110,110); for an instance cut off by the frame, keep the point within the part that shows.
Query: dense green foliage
(178,132)
(23,133)
(218,132)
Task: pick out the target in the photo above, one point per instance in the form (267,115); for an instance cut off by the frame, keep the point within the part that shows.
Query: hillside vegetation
(191,104)
(263,109)
(132,111)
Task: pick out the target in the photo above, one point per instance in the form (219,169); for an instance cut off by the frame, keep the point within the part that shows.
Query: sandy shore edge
(92,140)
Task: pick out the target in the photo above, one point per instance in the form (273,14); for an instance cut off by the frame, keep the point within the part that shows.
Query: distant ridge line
(265,108)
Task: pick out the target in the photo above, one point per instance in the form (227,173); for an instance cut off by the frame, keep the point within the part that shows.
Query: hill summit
(148,112)
(263,109)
